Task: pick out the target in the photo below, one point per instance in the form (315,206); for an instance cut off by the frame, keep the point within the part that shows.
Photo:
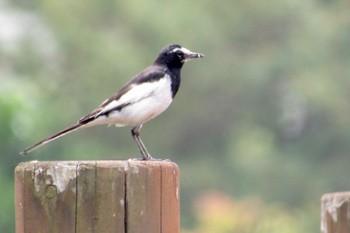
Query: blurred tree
(218,213)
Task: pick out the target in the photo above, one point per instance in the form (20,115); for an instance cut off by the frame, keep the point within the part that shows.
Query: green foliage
(264,114)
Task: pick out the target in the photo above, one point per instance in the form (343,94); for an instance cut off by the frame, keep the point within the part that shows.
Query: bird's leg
(135,132)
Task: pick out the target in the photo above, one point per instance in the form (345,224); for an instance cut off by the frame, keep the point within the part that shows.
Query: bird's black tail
(51,138)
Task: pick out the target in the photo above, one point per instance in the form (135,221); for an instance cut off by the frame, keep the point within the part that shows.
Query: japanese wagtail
(143,98)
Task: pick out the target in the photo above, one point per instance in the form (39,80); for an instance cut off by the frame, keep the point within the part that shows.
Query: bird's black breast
(175,81)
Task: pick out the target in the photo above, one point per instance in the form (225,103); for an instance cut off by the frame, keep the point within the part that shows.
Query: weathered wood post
(335,213)
(97,196)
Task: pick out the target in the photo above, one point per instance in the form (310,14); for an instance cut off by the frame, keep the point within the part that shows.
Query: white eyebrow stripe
(184,50)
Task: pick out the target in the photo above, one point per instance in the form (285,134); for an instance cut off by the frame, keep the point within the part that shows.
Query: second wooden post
(335,213)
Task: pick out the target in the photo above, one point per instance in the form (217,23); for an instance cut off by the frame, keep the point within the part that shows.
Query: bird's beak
(191,55)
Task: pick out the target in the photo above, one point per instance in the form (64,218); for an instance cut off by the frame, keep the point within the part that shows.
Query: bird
(145,96)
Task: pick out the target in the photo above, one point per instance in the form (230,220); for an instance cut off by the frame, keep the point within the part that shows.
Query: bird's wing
(138,88)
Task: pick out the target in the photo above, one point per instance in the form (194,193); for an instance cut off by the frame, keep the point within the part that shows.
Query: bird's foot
(148,157)
(159,160)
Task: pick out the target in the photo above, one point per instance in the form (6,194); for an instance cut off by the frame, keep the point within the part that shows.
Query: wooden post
(335,213)
(97,196)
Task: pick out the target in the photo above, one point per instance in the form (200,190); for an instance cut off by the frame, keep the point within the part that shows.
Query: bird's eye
(180,54)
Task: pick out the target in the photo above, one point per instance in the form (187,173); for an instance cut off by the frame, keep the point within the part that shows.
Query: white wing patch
(135,94)
(141,103)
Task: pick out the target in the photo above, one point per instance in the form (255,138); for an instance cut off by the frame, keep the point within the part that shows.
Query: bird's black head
(174,56)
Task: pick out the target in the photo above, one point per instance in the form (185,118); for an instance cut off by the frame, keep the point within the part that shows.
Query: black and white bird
(143,98)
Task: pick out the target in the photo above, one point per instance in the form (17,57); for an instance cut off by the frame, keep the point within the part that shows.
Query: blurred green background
(260,128)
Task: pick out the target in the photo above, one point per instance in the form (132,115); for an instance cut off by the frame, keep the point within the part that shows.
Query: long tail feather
(51,138)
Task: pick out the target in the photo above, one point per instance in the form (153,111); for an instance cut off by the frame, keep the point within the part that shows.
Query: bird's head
(175,56)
